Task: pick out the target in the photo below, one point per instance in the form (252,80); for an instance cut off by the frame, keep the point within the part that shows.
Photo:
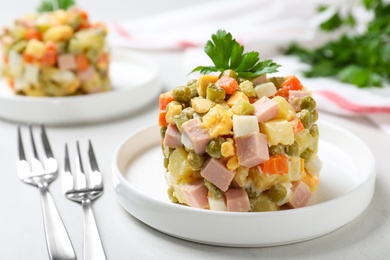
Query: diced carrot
(252,100)
(28,58)
(82,62)
(33,33)
(297,125)
(165,99)
(291,83)
(229,84)
(49,57)
(11,83)
(162,122)
(277,164)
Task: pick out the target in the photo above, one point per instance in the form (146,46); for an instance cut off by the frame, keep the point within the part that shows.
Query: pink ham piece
(252,149)
(196,194)
(172,136)
(301,195)
(216,172)
(237,200)
(198,136)
(265,109)
(66,62)
(295,96)
(87,74)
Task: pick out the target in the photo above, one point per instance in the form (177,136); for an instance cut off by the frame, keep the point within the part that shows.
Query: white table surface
(123,236)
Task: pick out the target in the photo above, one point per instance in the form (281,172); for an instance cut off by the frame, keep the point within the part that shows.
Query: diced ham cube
(87,74)
(252,149)
(172,136)
(216,172)
(237,200)
(266,109)
(198,136)
(196,194)
(66,62)
(301,195)
(295,96)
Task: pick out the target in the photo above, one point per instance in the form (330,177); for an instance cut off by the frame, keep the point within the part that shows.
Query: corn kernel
(227,149)
(232,164)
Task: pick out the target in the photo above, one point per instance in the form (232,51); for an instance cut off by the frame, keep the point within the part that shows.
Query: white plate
(136,81)
(346,188)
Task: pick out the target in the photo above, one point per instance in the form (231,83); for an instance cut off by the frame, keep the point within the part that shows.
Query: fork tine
(67,177)
(45,142)
(36,165)
(92,158)
(22,155)
(81,179)
(34,148)
(95,177)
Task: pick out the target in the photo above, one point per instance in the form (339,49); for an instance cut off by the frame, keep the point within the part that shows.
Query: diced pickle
(247,88)
(213,191)
(180,119)
(195,161)
(192,85)
(277,81)
(214,147)
(307,103)
(314,130)
(166,162)
(229,73)
(263,203)
(243,107)
(215,93)
(306,155)
(277,193)
(182,94)
(162,131)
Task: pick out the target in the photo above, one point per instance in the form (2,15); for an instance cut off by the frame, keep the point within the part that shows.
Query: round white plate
(346,187)
(136,81)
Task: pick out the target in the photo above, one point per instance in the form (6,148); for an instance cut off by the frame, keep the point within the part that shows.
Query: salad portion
(237,140)
(58,53)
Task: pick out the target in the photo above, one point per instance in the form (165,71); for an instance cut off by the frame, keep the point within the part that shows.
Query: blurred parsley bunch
(51,5)
(363,60)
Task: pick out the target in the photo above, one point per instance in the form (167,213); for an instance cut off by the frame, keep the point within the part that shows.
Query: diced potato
(201,105)
(278,131)
(241,176)
(217,121)
(244,125)
(304,140)
(15,63)
(295,168)
(266,89)
(58,33)
(217,204)
(203,82)
(235,97)
(265,182)
(172,110)
(314,166)
(35,48)
(31,73)
(286,111)
(247,88)
(178,166)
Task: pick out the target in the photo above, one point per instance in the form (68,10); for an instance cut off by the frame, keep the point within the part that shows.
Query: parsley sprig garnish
(362,60)
(52,5)
(226,53)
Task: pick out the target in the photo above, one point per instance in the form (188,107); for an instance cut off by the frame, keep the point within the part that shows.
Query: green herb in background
(226,53)
(51,5)
(363,60)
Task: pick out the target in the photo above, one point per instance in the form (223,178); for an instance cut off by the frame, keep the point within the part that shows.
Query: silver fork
(41,174)
(84,188)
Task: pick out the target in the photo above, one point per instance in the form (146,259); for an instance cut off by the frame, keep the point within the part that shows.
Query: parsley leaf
(226,53)
(362,60)
(52,5)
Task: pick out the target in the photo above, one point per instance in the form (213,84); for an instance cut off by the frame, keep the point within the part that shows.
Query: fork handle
(93,247)
(57,239)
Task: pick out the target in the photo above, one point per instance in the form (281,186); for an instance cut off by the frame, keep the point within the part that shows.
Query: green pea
(195,161)
(162,131)
(214,191)
(192,85)
(314,116)
(275,149)
(214,147)
(215,93)
(182,94)
(292,149)
(307,103)
(306,154)
(314,130)
(306,118)
(263,203)
(277,193)
(277,81)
